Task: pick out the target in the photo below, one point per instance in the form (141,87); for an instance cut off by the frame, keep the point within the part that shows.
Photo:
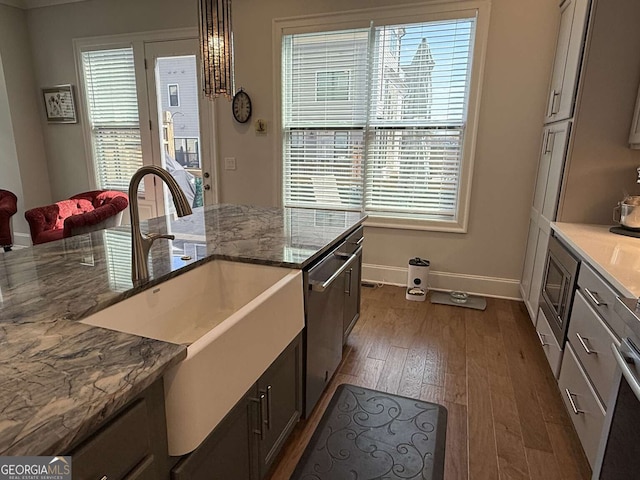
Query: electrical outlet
(230,163)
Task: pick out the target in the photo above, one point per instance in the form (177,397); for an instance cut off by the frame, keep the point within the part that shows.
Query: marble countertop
(59,378)
(615,257)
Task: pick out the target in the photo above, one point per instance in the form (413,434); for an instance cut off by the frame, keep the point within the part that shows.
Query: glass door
(176,105)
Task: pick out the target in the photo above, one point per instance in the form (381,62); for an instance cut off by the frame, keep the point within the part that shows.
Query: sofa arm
(37,222)
(93,220)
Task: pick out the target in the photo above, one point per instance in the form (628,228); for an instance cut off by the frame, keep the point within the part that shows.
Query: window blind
(374,119)
(112,102)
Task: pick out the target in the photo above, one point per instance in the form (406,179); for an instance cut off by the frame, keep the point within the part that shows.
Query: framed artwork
(59,104)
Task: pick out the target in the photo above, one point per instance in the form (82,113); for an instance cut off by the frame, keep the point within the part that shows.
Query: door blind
(112,102)
(374,119)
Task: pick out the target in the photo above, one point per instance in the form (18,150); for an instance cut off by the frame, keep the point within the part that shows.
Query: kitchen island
(59,378)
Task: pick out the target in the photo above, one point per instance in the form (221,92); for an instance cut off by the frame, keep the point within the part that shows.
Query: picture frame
(59,104)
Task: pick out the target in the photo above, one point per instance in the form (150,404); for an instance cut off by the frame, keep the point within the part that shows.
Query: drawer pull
(581,339)
(573,404)
(594,298)
(541,337)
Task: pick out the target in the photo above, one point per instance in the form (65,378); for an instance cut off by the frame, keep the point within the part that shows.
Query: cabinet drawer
(117,448)
(597,291)
(588,414)
(549,343)
(591,339)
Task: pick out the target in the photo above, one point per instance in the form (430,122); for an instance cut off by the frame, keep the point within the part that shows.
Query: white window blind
(387,136)
(112,102)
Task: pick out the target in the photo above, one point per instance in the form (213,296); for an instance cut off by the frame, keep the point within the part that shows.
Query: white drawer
(591,339)
(597,291)
(588,415)
(549,343)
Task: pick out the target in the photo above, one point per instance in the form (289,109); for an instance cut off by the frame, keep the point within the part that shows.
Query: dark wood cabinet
(244,445)
(130,445)
(281,385)
(226,453)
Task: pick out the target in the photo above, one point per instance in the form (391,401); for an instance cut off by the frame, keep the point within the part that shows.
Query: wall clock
(241,106)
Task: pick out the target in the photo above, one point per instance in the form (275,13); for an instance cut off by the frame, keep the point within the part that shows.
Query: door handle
(268,407)
(260,401)
(347,282)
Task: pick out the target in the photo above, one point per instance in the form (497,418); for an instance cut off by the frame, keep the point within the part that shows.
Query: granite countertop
(60,378)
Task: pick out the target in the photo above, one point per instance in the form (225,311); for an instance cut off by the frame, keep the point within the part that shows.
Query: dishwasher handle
(321,287)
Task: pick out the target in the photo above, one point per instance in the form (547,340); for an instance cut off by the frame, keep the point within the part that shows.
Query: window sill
(414,224)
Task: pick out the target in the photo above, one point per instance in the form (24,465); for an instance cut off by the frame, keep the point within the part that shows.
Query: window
(174,98)
(186,152)
(332,86)
(381,119)
(112,103)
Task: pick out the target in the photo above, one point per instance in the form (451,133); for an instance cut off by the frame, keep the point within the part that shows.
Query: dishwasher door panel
(325,312)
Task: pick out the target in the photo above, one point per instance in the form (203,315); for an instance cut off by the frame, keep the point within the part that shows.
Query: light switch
(230,163)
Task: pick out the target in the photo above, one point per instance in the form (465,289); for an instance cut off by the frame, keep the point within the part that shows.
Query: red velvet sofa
(8,208)
(82,213)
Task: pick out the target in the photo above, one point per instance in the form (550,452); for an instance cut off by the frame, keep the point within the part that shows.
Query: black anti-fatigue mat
(365,434)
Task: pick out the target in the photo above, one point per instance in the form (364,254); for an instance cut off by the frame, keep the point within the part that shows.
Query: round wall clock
(241,106)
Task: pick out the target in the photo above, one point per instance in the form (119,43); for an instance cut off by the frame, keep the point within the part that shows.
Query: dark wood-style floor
(506,417)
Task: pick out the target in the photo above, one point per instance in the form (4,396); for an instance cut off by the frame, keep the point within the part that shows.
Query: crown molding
(14,3)
(28,4)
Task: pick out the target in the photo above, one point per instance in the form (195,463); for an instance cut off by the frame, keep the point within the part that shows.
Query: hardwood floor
(506,419)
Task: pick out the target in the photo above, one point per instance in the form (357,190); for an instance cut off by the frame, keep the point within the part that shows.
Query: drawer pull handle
(541,337)
(594,298)
(573,404)
(581,339)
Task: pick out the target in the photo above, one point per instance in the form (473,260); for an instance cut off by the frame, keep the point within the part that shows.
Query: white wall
(52,30)
(519,57)
(28,154)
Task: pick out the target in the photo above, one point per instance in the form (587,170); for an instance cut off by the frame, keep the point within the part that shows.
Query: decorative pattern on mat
(365,434)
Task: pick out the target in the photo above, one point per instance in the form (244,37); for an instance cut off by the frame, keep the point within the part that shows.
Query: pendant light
(216,42)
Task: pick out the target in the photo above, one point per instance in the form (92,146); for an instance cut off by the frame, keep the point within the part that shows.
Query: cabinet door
(557,141)
(281,386)
(352,297)
(566,65)
(527,271)
(634,137)
(228,451)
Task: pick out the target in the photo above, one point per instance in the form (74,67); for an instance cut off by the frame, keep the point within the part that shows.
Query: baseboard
(474,284)
(21,239)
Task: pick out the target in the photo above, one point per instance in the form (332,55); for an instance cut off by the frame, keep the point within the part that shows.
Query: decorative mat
(366,434)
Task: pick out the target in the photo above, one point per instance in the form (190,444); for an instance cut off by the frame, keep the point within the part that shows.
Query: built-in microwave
(556,296)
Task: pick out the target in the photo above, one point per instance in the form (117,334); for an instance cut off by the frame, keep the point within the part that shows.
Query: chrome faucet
(141,244)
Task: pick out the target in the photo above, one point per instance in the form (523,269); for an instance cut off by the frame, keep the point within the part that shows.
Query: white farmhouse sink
(236,318)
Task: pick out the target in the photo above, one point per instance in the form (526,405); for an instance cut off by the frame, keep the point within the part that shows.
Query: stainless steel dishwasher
(324,303)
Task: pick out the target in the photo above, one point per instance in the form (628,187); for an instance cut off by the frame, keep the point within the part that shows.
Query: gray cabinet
(131,445)
(352,281)
(281,385)
(566,65)
(228,451)
(247,441)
